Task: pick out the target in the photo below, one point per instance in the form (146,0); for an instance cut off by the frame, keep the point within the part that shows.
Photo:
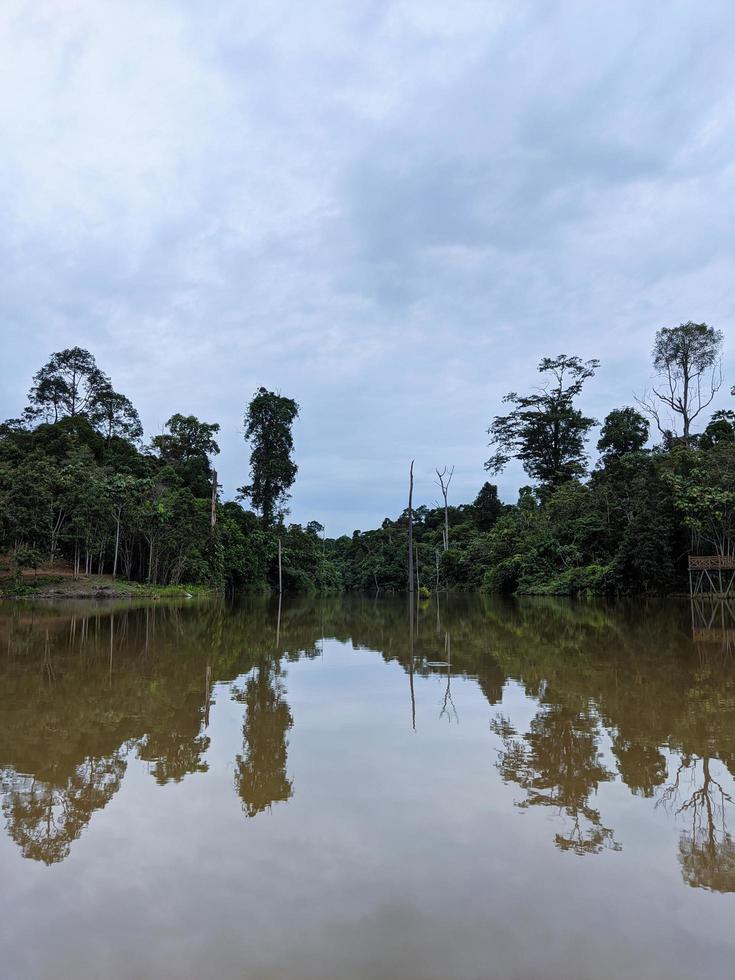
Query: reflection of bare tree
(44,819)
(448,703)
(411,652)
(558,764)
(260,775)
(706,848)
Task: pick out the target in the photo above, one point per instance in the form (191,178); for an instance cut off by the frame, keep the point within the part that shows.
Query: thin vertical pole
(410,662)
(207,686)
(410,530)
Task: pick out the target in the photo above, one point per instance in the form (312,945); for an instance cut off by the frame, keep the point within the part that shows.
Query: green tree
(268,422)
(113,415)
(544,430)
(721,428)
(68,384)
(487,506)
(186,447)
(704,495)
(624,430)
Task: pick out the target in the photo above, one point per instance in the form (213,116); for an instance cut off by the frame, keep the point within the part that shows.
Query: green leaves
(545,431)
(268,421)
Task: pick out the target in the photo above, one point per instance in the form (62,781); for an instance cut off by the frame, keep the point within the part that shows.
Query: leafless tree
(689,367)
(410,530)
(445,478)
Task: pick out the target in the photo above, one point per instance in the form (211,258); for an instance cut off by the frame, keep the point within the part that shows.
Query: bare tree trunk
(448,474)
(207,697)
(410,532)
(280,568)
(55,531)
(213,516)
(117,544)
(278,624)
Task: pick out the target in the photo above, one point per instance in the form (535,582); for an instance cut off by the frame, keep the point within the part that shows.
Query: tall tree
(624,431)
(115,416)
(268,421)
(687,360)
(187,446)
(487,506)
(68,384)
(544,430)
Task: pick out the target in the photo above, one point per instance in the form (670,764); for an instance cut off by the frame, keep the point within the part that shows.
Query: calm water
(534,789)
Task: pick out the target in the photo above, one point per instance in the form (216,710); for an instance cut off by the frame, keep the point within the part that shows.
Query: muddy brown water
(346,788)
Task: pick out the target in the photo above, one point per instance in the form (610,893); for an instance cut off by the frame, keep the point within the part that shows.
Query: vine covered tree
(268,421)
(544,430)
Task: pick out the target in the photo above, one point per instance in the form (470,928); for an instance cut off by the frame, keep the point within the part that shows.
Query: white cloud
(388,210)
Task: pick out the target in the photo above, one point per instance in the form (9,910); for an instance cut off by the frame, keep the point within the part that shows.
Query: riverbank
(95,587)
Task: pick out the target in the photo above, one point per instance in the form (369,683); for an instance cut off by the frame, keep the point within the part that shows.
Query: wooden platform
(712,575)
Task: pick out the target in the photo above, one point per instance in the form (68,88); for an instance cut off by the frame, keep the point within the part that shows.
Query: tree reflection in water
(706,848)
(260,772)
(44,820)
(559,765)
(86,690)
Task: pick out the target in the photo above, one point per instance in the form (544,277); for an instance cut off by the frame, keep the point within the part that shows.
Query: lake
(346,787)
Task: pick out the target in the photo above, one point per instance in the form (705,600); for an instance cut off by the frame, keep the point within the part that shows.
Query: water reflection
(260,772)
(44,818)
(639,693)
(559,765)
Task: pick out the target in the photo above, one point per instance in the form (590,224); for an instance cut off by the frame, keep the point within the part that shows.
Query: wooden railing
(709,563)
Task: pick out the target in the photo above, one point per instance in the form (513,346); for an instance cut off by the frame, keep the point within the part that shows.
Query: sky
(389,210)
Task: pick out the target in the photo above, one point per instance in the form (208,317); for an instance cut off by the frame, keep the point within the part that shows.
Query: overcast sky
(387,210)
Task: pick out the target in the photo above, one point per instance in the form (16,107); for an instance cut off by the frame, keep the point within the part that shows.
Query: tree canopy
(545,430)
(268,422)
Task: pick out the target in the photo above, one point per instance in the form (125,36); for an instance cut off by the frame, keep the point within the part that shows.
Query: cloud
(390,211)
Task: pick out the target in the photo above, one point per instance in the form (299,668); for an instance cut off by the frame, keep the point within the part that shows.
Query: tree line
(78,485)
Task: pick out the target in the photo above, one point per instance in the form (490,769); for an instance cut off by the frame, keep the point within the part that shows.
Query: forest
(82,494)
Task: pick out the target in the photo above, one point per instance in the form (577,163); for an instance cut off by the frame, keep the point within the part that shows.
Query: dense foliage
(78,486)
